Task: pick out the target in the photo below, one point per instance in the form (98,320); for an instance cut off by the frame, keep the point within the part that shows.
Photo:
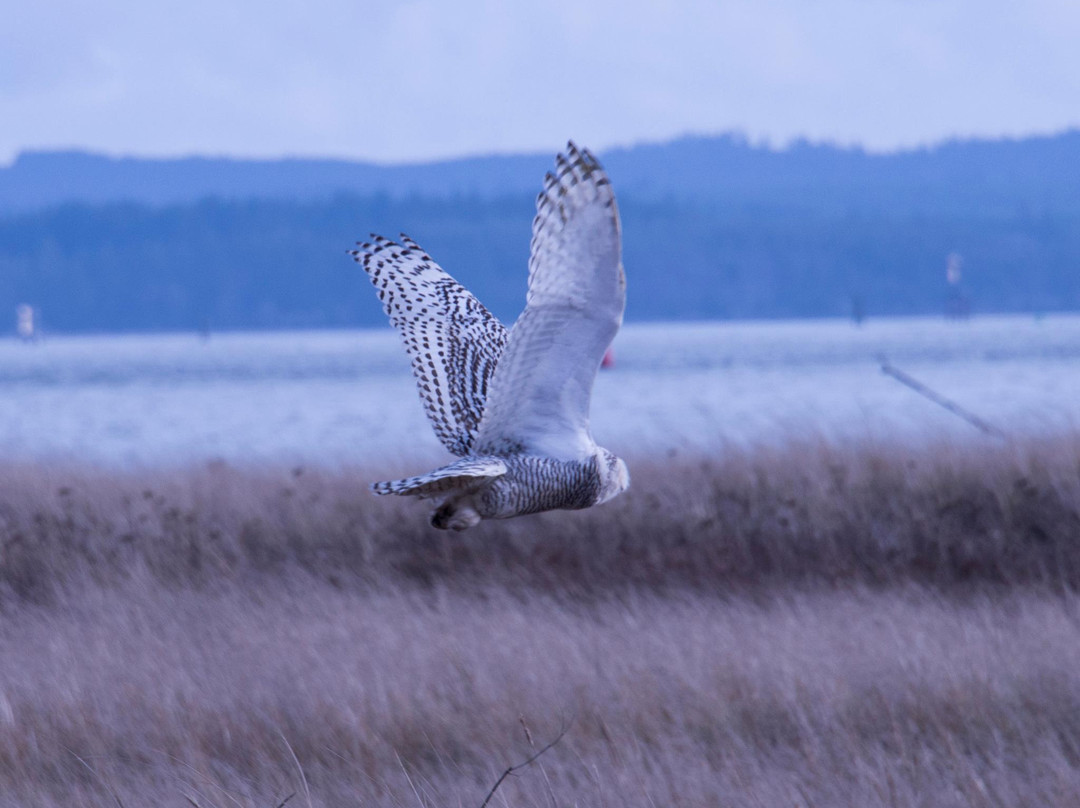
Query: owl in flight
(514,404)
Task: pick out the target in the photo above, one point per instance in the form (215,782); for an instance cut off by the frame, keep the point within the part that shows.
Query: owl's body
(514,405)
(499,487)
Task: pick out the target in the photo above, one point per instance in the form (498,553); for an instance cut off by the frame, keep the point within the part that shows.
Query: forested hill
(713,228)
(959,176)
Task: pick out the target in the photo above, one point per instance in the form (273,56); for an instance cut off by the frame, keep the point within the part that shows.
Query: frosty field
(333,397)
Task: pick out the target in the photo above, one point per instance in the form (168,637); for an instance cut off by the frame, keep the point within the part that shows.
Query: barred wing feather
(458,476)
(453,341)
(540,393)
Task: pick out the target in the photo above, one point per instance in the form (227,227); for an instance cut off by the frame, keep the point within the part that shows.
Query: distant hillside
(38,180)
(955,176)
(713,228)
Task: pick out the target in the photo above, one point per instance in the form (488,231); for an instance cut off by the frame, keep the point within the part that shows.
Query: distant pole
(889,370)
(954,269)
(957,303)
(858,310)
(24,322)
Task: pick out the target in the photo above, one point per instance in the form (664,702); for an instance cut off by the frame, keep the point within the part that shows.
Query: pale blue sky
(420,80)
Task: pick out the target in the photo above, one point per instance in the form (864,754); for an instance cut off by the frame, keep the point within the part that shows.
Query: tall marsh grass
(809,625)
(813,514)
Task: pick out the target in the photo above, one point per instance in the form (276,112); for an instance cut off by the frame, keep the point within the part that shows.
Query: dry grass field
(812,625)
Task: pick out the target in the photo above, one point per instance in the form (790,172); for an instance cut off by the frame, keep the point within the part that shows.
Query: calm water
(333,397)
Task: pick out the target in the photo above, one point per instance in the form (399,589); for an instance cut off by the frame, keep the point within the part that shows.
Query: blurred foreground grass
(843,625)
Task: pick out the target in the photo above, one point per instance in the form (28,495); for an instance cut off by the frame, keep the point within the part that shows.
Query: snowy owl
(514,405)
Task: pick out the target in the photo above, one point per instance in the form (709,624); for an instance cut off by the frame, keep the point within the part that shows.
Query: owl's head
(614,475)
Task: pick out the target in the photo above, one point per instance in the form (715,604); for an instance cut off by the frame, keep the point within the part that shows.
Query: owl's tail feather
(468,472)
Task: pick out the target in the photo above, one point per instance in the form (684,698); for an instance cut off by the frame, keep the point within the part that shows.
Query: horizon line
(736,136)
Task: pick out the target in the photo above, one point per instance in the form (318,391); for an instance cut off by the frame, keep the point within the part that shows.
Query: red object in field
(609,358)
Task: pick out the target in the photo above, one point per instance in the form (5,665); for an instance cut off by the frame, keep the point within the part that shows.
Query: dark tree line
(271,264)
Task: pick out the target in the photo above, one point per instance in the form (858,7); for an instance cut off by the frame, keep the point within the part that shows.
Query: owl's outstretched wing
(539,396)
(461,475)
(453,341)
